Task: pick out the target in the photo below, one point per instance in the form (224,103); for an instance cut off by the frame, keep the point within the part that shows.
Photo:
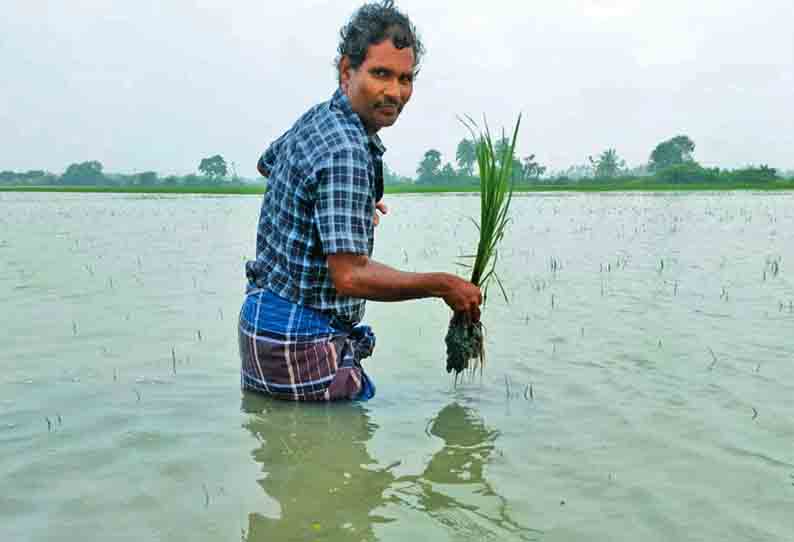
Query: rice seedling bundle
(465,339)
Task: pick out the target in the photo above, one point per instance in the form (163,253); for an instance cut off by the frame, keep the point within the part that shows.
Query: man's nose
(392,90)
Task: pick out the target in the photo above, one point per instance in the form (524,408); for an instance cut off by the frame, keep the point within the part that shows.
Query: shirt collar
(376,144)
(342,102)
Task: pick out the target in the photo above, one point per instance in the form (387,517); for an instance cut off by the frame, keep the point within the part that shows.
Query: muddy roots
(464,344)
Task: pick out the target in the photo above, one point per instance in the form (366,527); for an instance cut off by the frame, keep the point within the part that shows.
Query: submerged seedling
(206,495)
(713,358)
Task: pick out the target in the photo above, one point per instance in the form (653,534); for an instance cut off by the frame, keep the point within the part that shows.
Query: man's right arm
(343,213)
(356,275)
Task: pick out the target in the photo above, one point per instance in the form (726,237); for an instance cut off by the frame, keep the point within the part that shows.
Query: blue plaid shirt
(325,176)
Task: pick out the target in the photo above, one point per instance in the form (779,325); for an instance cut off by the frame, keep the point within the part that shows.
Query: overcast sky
(157,85)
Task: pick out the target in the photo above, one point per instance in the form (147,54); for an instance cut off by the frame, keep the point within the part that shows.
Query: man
(300,337)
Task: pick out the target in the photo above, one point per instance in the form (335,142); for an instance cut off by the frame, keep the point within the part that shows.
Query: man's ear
(344,73)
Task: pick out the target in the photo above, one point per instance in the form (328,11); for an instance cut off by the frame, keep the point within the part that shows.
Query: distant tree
(687,172)
(448,172)
(750,174)
(677,150)
(466,156)
(638,171)
(391,177)
(428,168)
(608,164)
(768,172)
(147,178)
(47,178)
(193,180)
(34,174)
(530,169)
(84,173)
(577,172)
(213,167)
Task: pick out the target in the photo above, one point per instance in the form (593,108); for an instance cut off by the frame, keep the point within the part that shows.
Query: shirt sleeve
(267,161)
(343,210)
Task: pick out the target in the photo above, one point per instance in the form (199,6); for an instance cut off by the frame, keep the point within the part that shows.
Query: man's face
(379,89)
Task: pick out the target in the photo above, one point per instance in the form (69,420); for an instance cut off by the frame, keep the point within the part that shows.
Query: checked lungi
(293,352)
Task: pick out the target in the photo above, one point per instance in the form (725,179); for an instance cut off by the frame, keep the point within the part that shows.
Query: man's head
(379,56)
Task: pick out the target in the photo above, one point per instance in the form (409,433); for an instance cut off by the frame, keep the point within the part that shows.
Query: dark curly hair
(373,23)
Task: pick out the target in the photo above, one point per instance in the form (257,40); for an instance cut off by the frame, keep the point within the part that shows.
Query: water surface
(639,384)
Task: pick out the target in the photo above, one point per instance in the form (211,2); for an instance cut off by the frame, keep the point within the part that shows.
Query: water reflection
(453,488)
(317,467)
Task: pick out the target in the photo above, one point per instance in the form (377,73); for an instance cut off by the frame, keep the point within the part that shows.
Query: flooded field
(639,385)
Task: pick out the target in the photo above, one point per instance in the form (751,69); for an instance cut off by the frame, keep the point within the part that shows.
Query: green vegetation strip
(624,186)
(163,189)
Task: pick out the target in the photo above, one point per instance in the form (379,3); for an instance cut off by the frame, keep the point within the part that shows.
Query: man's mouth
(388,109)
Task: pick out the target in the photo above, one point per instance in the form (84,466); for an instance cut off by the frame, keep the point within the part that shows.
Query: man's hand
(383,208)
(463,296)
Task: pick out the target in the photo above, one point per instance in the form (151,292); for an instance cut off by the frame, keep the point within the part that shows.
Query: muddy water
(639,383)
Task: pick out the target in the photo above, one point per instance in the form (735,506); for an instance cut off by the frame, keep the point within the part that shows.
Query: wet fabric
(293,352)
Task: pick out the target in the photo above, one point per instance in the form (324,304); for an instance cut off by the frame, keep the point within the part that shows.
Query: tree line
(670,162)
(212,170)
(430,170)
